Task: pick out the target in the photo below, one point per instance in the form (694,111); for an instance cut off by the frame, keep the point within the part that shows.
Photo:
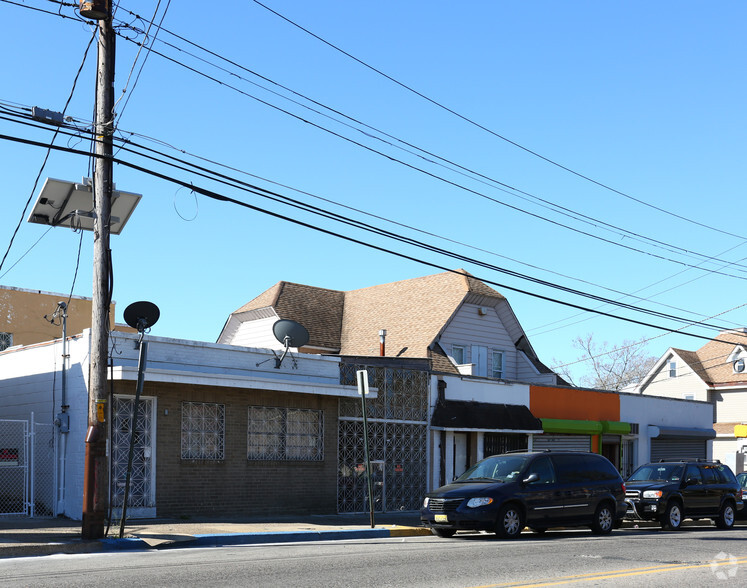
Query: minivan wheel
(445,533)
(725,519)
(604,520)
(672,517)
(509,522)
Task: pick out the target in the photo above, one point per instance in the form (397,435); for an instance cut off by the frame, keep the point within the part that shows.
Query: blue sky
(646,99)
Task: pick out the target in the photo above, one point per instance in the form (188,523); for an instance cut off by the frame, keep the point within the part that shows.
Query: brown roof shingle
(710,362)
(413,312)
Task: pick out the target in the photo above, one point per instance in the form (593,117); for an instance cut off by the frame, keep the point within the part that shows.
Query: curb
(220,540)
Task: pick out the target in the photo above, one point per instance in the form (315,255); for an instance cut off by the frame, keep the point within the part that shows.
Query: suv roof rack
(697,459)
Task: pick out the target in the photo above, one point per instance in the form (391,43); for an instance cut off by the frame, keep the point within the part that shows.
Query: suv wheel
(445,533)
(603,520)
(672,517)
(510,522)
(725,519)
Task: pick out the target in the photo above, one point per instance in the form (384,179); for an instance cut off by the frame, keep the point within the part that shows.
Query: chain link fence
(27,468)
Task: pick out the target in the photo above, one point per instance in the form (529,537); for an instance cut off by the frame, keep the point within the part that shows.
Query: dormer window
(672,369)
(739,365)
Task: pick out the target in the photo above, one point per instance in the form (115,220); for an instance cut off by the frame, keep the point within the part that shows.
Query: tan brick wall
(235,485)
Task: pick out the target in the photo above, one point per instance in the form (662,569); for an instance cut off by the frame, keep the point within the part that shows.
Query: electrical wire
(438,177)
(442,162)
(209,174)
(49,151)
(493,133)
(547,204)
(163,16)
(254,189)
(223,198)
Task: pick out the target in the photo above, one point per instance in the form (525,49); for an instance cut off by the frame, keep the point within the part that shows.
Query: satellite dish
(290,333)
(141,315)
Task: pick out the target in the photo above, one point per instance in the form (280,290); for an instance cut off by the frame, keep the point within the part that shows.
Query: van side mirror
(531,478)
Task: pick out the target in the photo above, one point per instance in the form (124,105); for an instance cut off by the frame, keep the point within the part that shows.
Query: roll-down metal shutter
(561,443)
(670,449)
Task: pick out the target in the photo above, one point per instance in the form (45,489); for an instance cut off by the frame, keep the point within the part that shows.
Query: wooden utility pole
(96,474)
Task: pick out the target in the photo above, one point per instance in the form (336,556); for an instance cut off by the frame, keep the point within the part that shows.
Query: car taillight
(623,486)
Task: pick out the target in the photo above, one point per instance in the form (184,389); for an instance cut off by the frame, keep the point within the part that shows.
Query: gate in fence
(27,468)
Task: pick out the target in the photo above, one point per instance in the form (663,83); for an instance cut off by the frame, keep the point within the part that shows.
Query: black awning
(464,415)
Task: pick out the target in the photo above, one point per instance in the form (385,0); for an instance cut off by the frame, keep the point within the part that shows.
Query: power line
(436,176)
(163,16)
(211,174)
(49,151)
(491,132)
(220,197)
(515,191)
(465,171)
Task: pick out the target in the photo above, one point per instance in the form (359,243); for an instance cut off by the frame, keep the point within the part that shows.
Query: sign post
(362,377)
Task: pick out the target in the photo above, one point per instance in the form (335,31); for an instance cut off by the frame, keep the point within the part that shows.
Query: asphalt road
(629,557)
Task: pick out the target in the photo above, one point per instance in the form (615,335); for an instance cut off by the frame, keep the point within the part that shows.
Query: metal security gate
(678,449)
(561,443)
(397,435)
(27,468)
(141,501)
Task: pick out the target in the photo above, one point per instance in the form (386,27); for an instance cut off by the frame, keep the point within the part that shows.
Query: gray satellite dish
(141,315)
(290,334)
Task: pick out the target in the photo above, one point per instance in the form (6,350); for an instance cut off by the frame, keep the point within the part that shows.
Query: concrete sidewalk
(21,536)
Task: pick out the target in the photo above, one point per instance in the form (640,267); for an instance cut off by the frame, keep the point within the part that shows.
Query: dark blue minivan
(504,493)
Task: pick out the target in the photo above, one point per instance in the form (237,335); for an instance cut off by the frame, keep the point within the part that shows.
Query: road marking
(618,574)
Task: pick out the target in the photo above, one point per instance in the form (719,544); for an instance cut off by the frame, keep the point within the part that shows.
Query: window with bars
(6,340)
(203,430)
(284,434)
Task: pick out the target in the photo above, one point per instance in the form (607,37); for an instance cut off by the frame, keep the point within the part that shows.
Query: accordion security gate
(397,436)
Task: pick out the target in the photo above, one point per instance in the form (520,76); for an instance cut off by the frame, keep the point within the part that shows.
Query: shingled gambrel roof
(414,312)
(711,362)
(317,309)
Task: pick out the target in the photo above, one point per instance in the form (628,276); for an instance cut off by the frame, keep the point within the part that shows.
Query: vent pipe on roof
(382,342)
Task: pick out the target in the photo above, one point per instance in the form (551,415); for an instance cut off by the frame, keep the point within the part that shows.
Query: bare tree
(609,368)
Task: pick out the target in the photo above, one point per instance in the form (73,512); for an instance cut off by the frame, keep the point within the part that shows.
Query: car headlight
(425,502)
(652,493)
(482,501)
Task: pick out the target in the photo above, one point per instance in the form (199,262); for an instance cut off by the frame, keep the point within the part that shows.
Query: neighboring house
(716,374)
(28,316)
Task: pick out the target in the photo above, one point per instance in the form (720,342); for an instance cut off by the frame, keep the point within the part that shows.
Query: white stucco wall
(665,412)
(481,390)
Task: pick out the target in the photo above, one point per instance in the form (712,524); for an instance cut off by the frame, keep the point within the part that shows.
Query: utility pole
(96,474)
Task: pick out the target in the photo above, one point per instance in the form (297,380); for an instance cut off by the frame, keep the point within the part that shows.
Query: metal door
(141,502)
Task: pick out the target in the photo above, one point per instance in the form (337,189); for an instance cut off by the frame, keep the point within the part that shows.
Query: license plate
(441,518)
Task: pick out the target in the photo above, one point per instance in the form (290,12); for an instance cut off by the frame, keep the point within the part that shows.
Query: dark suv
(670,491)
(503,493)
